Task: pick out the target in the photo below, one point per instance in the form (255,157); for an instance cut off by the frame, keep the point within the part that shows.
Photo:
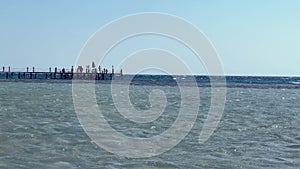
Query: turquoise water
(259,128)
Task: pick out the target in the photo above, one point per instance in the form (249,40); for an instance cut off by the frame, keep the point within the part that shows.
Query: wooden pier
(60,76)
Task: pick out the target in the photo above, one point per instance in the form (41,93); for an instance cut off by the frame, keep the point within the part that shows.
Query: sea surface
(260,126)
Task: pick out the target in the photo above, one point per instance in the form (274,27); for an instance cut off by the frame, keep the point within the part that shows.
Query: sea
(259,128)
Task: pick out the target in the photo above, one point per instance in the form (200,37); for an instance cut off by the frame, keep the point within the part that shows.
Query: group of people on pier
(95,70)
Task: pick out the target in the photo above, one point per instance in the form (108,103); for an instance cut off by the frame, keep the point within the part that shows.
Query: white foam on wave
(296,83)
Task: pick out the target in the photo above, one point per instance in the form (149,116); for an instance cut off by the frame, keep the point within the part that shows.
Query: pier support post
(121,74)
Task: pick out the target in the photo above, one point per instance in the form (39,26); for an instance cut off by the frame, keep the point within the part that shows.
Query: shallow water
(259,128)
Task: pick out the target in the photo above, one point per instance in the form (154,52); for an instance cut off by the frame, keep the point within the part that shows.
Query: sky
(251,37)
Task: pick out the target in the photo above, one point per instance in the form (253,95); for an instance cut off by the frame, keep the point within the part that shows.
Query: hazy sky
(252,37)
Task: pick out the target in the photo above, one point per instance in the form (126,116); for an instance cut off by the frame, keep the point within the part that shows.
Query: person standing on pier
(3,68)
(94,67)
(99,69)
(79,69)
(87,69)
